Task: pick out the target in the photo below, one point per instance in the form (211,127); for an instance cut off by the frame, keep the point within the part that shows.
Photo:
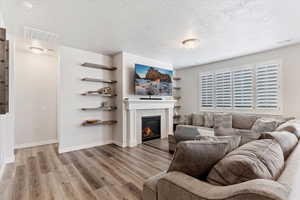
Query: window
(223,90)
(207,90)
(267,86)
(243,88)
(254,87)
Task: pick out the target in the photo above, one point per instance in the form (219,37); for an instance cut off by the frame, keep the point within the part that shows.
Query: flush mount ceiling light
(36,50)
(191,43)
(27,4)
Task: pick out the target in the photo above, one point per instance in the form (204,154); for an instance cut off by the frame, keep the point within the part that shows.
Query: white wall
(125,62)
(290,78)
(36,77)
(72,135)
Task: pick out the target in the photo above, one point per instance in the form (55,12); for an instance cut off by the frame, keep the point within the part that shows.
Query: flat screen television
(153,81)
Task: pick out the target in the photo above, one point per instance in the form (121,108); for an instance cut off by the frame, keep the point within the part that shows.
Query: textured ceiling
(155,29)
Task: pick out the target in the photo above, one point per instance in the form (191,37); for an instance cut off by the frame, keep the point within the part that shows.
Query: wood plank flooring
(101,173)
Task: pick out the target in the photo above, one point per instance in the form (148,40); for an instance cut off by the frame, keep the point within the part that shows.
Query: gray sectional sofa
(176,185)
(220,124)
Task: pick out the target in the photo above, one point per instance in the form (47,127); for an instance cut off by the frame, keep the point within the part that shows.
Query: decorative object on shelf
(105,106)
(177,97)
(106,91)
(98,80)
(96,94)
(98,122)
(176,88)
(176,116)
(97,66)
(177,107)
(176,78)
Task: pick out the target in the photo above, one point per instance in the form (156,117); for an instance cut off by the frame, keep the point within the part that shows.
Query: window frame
(254,109)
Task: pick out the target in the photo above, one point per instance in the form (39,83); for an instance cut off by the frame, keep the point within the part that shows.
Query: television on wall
(153,81)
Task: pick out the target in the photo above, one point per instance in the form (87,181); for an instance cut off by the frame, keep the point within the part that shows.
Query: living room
(149,100)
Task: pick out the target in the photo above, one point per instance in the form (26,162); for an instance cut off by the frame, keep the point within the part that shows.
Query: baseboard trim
(85,146)
(34,144)
(120,144)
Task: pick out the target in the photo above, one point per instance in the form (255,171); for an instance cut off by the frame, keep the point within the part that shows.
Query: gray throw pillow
(243,121)
(234,140)
(209,119)
(196,158)
(286,140)
(265,125)
(198,120)
(222,120)
(259,159)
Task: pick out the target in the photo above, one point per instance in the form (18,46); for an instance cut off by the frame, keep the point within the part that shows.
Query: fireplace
(150,128)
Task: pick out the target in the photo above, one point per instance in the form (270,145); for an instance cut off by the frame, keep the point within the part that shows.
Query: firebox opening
(150,128)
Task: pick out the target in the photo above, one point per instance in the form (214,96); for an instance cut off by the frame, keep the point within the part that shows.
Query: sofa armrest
(179,186)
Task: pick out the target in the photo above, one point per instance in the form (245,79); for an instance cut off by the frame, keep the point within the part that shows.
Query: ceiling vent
(32,34)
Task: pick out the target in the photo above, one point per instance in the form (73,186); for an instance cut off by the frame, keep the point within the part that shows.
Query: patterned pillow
(222,120)
(292,126)
(265,125)
(198,120)
(187,119)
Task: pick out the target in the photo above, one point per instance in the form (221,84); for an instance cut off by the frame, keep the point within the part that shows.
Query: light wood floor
(106,172)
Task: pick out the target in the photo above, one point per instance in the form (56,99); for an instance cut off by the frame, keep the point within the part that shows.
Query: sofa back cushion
(265,125)
(292,126)
(198,119)
(243,121)
(259,159)
(209,119)
(286,140)
(187,119)
(197,157)
(222,120)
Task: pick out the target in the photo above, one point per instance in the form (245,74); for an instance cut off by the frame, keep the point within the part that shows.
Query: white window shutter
(223,89)
(207,90)
(243,88)
(267,86)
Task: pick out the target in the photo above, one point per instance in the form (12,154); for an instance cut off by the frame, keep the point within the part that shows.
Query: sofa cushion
(286,140)
(246,135)
(243,121)
(265,125)
(185,132)
(209,119)
(259,159)
(196,158)
(292,126)
(198,119)
(222,120)
(234,140)
(186,119)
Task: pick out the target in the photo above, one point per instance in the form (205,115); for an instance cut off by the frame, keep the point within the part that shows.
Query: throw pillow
(234,140)
(259,159)
(243,121)
(246,135)
(292,126)
(209,119)
(196,158)
(222,120)
(198,120)
(286,140)
(265,125)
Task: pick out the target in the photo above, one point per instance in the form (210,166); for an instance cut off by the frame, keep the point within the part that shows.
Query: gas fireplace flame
(147,132)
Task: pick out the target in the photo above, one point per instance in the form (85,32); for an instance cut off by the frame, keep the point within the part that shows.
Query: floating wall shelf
(176,88)
(177,97)
(177,107)
(100,109)
(97,66)
(97,94)
(98,122)
(98,80)
(176,78)
(176,116)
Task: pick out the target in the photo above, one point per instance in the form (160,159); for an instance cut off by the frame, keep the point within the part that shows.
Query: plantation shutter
(267,86)
(207,90)
(243,88)
(223,89)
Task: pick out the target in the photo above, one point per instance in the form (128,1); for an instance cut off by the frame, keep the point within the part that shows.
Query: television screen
(153,81)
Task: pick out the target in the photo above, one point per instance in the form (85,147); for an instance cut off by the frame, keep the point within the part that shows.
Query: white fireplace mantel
(136,109)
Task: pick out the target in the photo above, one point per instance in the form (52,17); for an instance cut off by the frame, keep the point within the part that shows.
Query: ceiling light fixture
(191,43)
(27,4)
(36,50)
